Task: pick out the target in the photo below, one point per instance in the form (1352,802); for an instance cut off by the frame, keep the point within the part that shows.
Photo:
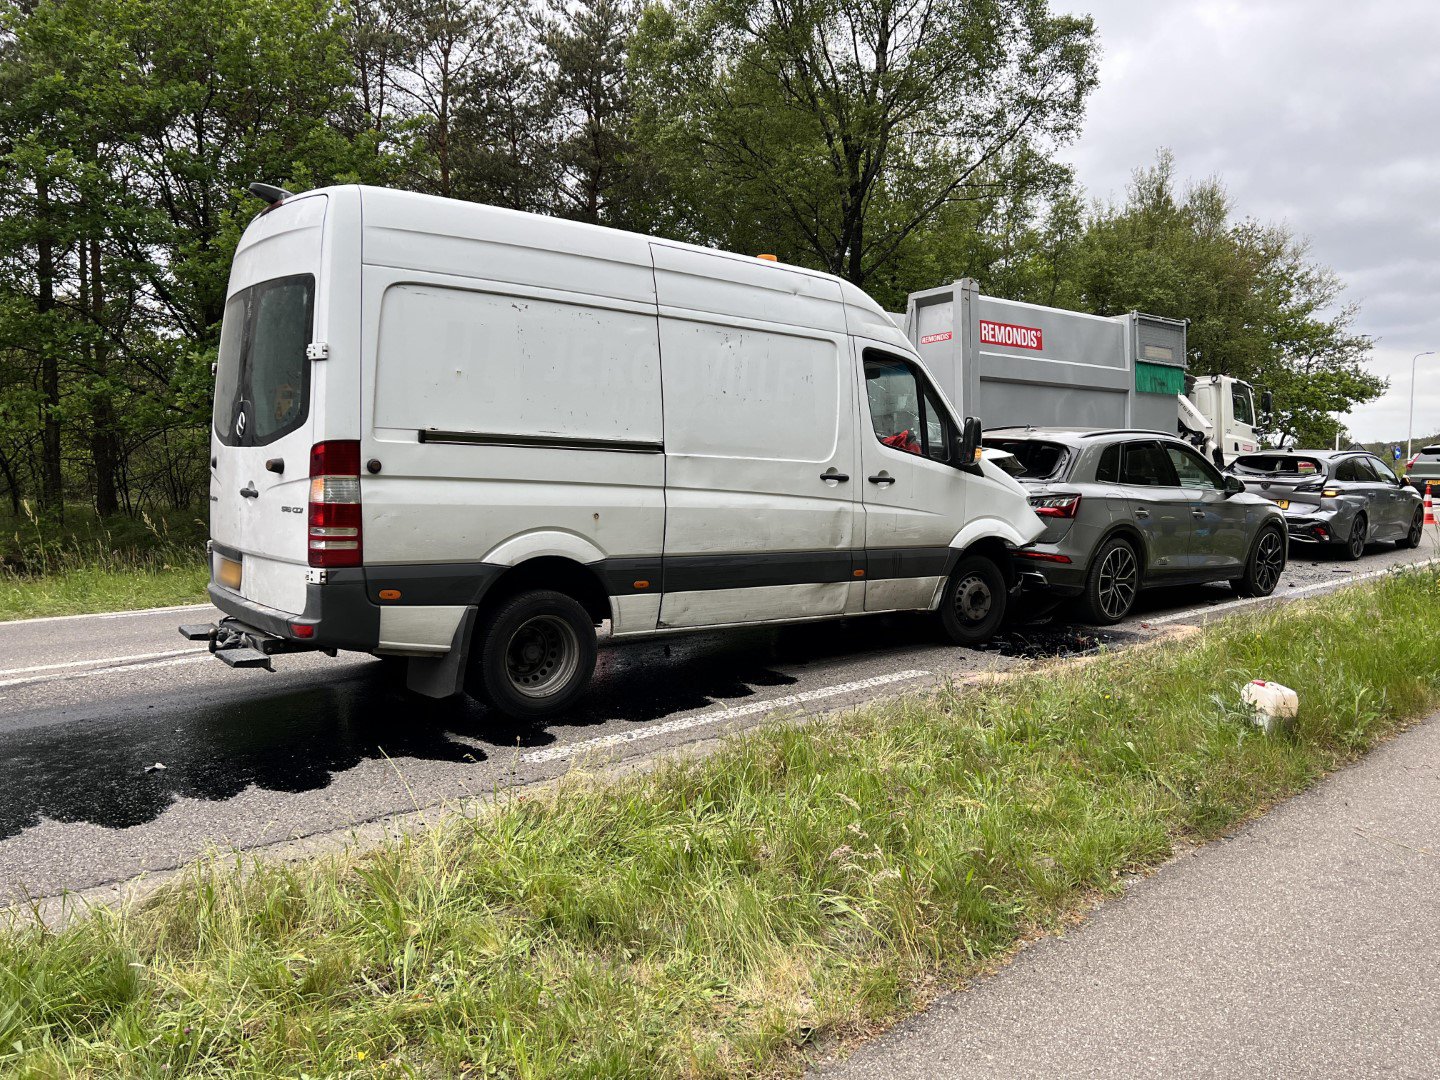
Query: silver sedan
(1342,499)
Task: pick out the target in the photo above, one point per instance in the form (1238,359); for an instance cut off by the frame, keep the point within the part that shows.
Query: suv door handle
(1197,513)
(833,475)
(249,491)
(881,479)
(1140,511)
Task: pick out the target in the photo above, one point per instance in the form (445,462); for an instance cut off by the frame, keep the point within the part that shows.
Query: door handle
(1140,511)
(249,491)
(1197,513)
(881,479)
(833,475)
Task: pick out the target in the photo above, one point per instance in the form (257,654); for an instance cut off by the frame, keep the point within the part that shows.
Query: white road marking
(1290,594)
(729,712)
(113,670)
(106,615)
(99,662)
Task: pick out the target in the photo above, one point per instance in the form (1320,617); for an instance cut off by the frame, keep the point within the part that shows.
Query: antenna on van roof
(269,193)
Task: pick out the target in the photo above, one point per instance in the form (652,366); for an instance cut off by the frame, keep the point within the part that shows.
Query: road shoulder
(1307,944)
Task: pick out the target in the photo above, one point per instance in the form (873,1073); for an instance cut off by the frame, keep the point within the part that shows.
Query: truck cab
(1229,406)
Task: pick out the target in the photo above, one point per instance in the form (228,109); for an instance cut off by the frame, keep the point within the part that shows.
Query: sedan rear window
(1038,460)
(1278,465)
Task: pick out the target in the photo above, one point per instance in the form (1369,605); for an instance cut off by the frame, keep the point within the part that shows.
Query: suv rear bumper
(339,610)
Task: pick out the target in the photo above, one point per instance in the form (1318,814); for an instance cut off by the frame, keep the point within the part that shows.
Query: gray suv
(1129,510)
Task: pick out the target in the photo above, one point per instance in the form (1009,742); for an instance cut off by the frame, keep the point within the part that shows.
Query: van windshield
(262,381)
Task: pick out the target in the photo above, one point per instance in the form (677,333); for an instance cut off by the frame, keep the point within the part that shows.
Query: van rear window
(262,379)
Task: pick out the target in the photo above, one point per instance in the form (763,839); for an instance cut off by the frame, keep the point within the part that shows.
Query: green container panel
(1159,378)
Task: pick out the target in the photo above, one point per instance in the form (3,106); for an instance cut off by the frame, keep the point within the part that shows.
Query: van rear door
(265,409)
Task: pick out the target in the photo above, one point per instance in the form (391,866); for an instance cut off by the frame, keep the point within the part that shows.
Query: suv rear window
(262,378)
(1038,460)
(1278,465)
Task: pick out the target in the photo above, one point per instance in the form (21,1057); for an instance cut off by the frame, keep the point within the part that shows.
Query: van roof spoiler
(269,193)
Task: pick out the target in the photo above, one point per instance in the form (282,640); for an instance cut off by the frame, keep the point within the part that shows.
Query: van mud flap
(241,646)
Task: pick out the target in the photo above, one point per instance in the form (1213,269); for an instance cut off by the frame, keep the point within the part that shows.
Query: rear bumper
(1312,528)
(339,610)
(1041,572)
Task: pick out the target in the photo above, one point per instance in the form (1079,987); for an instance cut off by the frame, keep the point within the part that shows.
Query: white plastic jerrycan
(1272,706)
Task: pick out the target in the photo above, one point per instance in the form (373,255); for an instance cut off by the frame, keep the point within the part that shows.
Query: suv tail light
(1055,506)
(334,530)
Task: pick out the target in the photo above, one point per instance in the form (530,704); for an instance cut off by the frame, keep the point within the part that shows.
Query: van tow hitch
(239,645)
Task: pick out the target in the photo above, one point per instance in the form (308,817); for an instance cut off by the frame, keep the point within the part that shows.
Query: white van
(469,436)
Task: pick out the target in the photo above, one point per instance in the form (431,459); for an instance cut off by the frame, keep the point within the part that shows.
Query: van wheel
(537,657)
(973,605)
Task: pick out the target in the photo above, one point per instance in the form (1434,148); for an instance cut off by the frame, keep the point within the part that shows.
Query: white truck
(1015,363)
(466,437)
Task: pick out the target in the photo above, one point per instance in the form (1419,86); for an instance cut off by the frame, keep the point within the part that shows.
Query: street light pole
(1410,437)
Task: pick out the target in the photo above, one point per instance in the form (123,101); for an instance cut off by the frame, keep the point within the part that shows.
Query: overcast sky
(1322,114)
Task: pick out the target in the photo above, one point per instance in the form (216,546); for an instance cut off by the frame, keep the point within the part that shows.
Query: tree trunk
(52,481)
(102,410)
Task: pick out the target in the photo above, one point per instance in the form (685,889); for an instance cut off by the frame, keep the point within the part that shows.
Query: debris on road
(157,767)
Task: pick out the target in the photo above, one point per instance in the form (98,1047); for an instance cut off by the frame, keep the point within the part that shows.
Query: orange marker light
(641,584)
(768,258)
(859,573)
(389,594)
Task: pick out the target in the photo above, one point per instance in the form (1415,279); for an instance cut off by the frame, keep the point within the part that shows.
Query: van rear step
(239,645)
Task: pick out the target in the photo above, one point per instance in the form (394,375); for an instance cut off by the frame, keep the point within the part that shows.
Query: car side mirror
(968,447)
(1233,484)
(1267,401)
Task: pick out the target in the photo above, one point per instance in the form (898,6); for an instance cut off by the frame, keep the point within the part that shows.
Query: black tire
(1264,565)
(536,657)
(1354,546)
(1417,529)
(1112,584)
(973,604)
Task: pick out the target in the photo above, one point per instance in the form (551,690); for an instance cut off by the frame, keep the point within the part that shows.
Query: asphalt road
(90,705)
(1308,945)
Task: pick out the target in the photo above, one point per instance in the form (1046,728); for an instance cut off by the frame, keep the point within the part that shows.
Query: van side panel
(506,412)
(756,411)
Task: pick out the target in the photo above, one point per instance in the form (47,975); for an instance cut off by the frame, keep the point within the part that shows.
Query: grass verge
(90,565)
(714,917)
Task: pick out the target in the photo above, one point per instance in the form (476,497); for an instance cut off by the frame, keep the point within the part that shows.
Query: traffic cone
(1429,507)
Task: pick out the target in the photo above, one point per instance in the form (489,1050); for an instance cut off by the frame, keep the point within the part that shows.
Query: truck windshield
(1243,403)
(262,378)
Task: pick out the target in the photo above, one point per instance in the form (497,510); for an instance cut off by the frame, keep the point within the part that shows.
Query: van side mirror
(1233,484)
(1267,401)
(969,443)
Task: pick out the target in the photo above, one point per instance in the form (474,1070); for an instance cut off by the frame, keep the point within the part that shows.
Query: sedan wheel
(1265,565)
(1417,530)
(1355,546)
(1113,582)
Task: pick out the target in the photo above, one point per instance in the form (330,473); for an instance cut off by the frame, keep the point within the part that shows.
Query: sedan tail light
(1055,506)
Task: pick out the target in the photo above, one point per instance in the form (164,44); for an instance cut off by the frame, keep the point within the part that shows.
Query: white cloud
(1318,113)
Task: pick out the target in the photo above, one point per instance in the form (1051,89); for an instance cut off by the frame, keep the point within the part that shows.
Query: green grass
(720,917)
(86,564)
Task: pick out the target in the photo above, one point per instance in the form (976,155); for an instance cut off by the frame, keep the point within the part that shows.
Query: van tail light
(1055,506)
(335,530)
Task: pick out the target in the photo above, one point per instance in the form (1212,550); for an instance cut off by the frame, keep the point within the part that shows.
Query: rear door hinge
(317,350)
